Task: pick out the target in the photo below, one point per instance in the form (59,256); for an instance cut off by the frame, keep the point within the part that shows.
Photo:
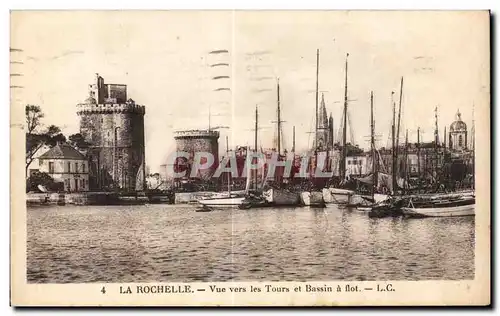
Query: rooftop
(62,151)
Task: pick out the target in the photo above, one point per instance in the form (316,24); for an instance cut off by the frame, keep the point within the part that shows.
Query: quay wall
(82,198)
(191,197)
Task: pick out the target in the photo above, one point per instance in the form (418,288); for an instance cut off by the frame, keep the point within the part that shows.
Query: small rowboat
(461,207)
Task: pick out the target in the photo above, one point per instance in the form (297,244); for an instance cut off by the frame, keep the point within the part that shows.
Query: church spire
(322,115)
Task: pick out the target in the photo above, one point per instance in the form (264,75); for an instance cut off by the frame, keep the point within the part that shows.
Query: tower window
(460,141)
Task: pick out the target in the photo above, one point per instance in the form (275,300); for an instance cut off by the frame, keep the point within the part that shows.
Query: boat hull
(282,197)
(313,198)
(452,211)
(336,196)
(364,208)
(224,202)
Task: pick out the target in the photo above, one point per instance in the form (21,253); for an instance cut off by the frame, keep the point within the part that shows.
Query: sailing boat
(276,195)
(279,196)
(230,199)
(250,194)
(392,205)
(363,202)
(332,194)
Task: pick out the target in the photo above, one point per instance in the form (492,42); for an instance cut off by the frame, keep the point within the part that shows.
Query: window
(359,162)
(349,162)
(69,167)
(82,183)
(76,167)
(51,167)
(460,141)
(83,167)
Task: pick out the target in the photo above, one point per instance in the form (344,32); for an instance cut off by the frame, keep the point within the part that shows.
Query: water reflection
(174,243)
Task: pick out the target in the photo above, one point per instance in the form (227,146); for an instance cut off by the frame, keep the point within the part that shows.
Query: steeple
(322,115)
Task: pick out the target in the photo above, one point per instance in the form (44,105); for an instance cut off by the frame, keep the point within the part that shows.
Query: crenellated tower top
(108,98)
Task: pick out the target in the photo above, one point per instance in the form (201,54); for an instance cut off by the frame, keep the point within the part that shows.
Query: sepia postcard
(250,158)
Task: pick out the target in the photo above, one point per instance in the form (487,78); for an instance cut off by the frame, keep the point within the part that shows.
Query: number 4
(103,290)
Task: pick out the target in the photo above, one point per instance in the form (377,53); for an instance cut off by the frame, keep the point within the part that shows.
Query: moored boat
(336,195)
(313,198)
(232,201)
(387,208)
(445,208)
(280,197)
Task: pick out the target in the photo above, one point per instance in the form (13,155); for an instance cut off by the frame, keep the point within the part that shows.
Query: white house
(66,164)
(357,165)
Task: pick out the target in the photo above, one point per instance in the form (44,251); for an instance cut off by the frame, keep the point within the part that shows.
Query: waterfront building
(67,165)
(357,165)
(114,127)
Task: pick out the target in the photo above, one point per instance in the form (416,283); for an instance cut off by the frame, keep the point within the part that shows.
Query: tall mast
(418,155)
(293,140)
(436,142)
(406,162)
(209,114)
(279,119)
(256,127)
(473,132)
(399,116)
(256,133)
(394,181)
(436,129)
(444,139)
(374,154)
(317,100)
(229,174)
(473,148)
(344,133)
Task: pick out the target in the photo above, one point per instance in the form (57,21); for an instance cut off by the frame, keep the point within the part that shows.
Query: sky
(164,58)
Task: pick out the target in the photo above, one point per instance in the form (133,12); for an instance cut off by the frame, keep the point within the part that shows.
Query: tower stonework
(193,141)
(114,128)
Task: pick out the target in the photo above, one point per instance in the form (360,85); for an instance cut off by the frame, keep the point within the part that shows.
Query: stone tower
(114,127)
(193,141)
(458,134)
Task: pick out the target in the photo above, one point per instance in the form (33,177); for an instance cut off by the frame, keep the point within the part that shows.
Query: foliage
(34,115)
(42,178)
(36,139)
(78,141)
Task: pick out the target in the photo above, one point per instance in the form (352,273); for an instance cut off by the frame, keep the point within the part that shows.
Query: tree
(34,115)
(35,139)
(78,141)
(43,179)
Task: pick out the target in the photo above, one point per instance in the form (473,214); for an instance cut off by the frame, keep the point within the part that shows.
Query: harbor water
(173,243)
